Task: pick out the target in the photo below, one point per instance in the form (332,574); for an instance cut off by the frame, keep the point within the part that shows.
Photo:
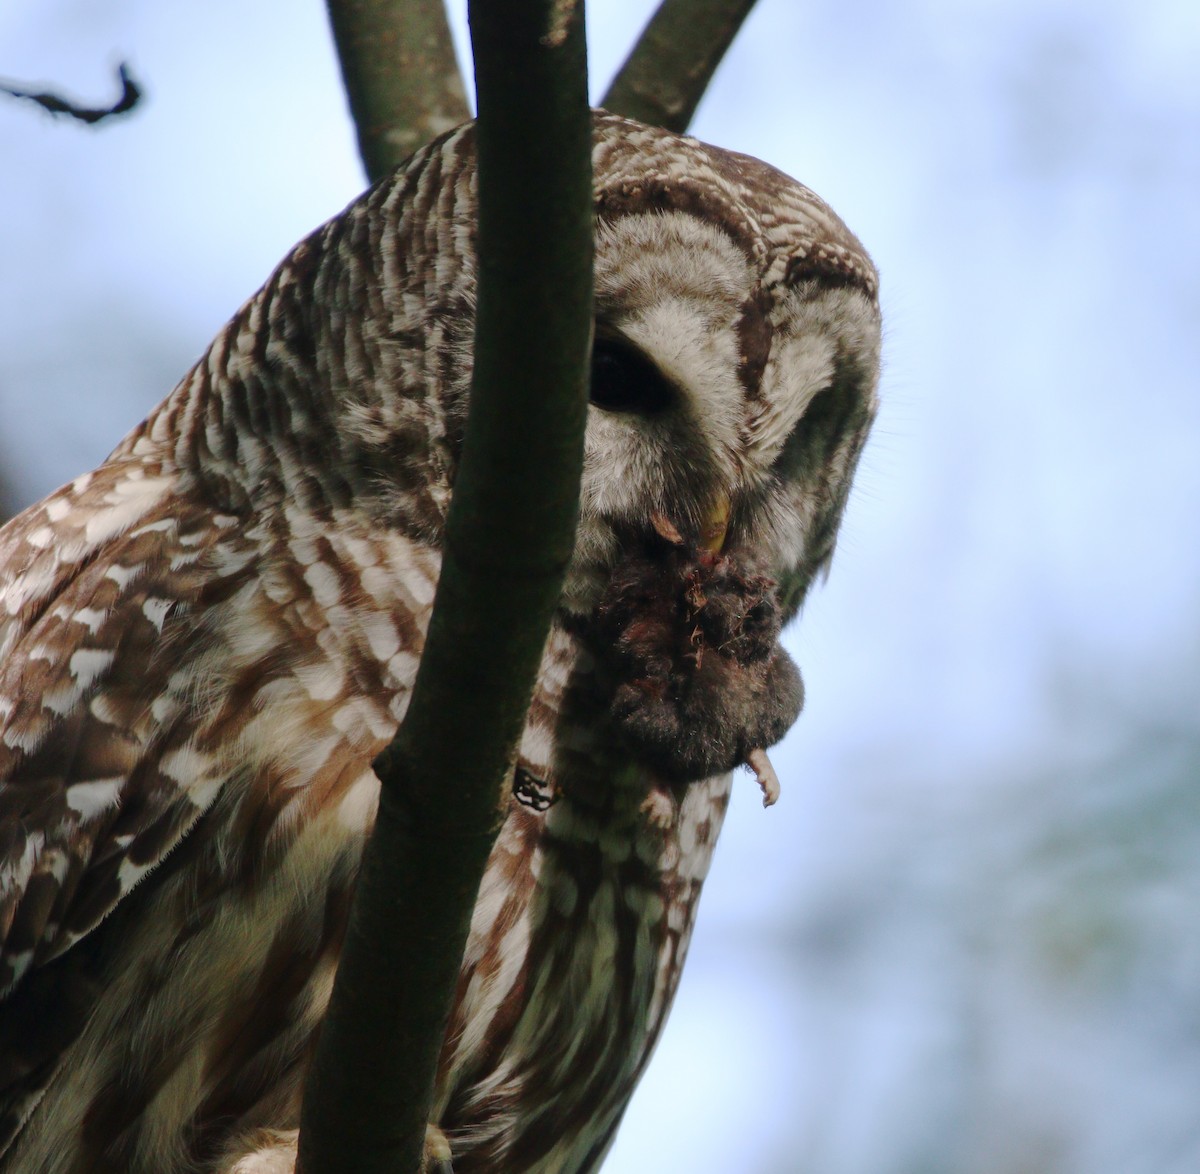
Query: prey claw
(768,780)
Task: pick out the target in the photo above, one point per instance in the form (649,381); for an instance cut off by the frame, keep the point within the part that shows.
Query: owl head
(735,362)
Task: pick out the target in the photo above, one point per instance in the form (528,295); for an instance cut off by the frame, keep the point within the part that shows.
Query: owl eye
(624,380)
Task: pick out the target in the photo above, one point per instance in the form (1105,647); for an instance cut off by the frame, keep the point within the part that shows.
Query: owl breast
(576,946)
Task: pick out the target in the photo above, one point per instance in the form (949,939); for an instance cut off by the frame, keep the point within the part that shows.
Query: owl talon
(768,780)
(436,1159)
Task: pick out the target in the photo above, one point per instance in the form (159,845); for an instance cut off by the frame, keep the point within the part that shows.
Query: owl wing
(169,671)
(98,779)
(104,595)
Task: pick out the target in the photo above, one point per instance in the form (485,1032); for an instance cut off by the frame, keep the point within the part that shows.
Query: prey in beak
(688,644)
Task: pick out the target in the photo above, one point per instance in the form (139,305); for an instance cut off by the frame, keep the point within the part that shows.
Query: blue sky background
(968,938)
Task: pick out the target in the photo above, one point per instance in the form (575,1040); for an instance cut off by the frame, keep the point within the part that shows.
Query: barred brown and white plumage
(205,642)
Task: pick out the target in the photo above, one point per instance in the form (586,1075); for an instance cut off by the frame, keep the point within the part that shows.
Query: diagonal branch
(9,502)
(509,536)
(401,76)
(668,70)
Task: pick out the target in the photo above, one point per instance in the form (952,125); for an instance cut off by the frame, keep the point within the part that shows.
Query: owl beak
(712,532)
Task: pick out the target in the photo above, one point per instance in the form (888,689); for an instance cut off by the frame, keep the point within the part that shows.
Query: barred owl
(205,642)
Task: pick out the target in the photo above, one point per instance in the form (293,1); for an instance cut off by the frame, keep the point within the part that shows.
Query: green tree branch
(509,536)
(401,76)
(668,70)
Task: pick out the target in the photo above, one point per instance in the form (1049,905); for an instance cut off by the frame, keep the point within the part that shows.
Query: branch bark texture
(401,75)
(666,74)
(509,536)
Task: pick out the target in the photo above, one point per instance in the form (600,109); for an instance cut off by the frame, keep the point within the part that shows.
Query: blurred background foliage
(968,938)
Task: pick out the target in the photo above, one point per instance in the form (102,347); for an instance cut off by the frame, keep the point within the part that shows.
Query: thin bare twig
(666,74)
(509,536)
(56,104)
(401,75)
